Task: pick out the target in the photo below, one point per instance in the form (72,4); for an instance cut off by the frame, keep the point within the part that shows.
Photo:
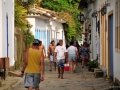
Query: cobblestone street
(82,80)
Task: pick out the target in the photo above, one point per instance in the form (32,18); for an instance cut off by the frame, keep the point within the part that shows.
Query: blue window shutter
(35,33)
(39,34)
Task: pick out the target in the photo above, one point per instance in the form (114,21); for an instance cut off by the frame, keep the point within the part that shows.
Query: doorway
(110,45)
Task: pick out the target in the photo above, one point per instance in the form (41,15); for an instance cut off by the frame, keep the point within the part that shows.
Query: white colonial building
(103,16)
(7,30)
(46,26)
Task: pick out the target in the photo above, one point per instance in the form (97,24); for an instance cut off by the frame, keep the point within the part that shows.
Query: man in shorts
(60,53)
(51,53)
(33,66)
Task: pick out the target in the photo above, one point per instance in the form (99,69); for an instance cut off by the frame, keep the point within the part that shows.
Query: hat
(36,41)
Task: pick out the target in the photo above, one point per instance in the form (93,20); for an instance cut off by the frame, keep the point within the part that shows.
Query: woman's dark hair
(67,46)
(57,44)
(85,43)
(52,41)
(71,43)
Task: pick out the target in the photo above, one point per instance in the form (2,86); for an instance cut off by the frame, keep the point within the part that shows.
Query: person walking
(78,48)
(33,67)
(51,53)
(48,51)
(85,51)
(72,57)
(60,54)
(43,48)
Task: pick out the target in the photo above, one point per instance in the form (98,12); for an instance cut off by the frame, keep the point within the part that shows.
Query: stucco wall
(40,23)
(116,56)
(32,22)
(57,26)
(88,12)
(7,9)
(1,28)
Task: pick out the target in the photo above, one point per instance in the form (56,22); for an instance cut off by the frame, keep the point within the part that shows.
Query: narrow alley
(82,80)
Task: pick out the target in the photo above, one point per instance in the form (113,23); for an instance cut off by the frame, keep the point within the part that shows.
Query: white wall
(93,29)
(57,26)
(116,56)
(1,28)
(40,23)
(32,22)
(7,9)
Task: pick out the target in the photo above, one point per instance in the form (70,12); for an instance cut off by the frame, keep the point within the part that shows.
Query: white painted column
(1,28)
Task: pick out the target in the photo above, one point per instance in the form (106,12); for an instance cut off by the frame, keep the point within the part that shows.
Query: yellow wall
(103,39)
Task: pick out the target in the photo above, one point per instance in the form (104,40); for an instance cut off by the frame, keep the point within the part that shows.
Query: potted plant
(92,64)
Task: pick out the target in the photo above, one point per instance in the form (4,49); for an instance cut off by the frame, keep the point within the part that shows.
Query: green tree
(20,16)
(67,10)
(21,10)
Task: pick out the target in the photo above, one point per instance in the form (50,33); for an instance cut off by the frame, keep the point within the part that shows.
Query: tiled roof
(38,11)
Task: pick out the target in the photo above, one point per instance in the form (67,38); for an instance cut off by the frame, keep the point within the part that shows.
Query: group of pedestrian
(58,54)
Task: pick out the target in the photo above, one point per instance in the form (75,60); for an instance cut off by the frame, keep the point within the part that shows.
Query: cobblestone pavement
(81,80)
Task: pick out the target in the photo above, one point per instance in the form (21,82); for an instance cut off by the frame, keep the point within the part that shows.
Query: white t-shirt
(60,52)
(72,50)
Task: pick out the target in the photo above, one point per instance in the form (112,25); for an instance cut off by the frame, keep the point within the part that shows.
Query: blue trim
(35,33)
(7,32)
(111,45)
(39,34)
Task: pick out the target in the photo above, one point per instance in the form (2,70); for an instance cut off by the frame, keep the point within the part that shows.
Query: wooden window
(117,26)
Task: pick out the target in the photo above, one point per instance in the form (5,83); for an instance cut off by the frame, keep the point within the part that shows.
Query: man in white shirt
(60,54)
(72,56)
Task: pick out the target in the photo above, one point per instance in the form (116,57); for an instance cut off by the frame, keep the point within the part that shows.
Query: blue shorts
(32,80)
(60,62)
(72,57)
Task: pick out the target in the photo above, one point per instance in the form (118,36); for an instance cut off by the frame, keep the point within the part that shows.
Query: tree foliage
(20,15)
(28,37)
(21,10)
(67,10)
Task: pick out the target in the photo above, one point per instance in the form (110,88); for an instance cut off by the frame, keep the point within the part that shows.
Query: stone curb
(11,80)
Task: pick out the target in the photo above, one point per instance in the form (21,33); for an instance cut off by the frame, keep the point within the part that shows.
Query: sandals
(82,66)
(58,76)
(62,77)
(50,70)
(74,71)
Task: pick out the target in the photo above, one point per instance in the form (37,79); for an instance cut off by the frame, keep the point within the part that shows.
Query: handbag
(66,67)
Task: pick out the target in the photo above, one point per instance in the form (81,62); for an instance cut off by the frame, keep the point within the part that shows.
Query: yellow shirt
(34,61)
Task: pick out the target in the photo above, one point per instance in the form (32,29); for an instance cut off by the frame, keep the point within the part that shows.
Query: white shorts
(52,58)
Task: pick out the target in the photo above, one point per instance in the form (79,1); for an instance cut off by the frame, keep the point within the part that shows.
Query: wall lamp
(104,9)
(95,13)
(81,18)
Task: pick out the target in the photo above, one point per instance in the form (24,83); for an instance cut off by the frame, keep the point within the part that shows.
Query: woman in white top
(72,55)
